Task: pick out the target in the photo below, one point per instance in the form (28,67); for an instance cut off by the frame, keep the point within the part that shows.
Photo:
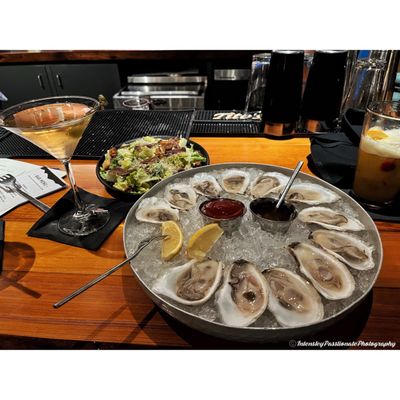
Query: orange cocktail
(377,179)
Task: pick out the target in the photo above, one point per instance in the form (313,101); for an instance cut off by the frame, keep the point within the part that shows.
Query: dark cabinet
(24,82)
(86,79)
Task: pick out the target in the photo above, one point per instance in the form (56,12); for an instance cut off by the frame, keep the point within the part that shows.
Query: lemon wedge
(377,134)
(201,242)
(172,244)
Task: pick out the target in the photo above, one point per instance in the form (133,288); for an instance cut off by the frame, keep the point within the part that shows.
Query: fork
(8,180)
(144,243)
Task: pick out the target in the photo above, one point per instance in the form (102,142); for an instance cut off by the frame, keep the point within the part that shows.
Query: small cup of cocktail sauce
(227,213)
(271,219)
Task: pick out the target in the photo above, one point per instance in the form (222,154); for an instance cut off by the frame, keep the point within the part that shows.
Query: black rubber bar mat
(106,129)
(235,129)
(204,125)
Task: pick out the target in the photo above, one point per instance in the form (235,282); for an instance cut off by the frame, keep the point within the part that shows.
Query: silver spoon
(144,243)
(289,184)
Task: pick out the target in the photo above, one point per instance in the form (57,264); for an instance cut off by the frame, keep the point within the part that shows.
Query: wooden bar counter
(45,56)
(116,313)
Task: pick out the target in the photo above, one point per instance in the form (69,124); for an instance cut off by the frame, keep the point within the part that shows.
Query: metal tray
(252,333)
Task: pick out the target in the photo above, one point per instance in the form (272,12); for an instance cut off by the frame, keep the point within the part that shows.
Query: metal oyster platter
(276,258)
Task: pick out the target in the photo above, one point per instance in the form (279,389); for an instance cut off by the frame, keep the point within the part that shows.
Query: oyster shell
(156,211)
(329,276)
(270,182)
(243,296)
(180,196)
(235,181)
(192,283)
(347,248)
(311,193)
(330,219)
(292,300)
(206,185)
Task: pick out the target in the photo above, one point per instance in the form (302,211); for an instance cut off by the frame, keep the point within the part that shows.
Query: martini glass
(56,125)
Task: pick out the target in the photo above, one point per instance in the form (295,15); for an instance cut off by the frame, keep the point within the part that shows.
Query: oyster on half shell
(292,300)
(347,248)
(156,211)
(267,183)
(311,193)
(206,185)
(330,219)
(180,196)
(192,283)
(243,296)
(329,276)
(235,181)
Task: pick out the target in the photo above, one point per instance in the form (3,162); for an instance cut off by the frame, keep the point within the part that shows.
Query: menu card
(36,180)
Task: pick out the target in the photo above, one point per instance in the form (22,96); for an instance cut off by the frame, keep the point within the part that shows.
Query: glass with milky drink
(377,179)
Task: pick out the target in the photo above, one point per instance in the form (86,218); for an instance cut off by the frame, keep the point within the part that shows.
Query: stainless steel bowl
(273,225)
(229,225)
(254,334)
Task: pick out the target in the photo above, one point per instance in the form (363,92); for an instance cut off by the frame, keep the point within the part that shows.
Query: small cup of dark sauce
(271,219)
(228,213)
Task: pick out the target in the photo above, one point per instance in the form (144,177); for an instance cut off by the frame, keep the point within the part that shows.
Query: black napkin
(352,124)
(46,227)
(334,158)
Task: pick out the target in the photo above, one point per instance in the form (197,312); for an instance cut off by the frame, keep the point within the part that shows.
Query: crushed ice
(249,242)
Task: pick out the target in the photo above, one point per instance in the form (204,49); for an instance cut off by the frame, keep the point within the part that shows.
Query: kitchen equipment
(323,93)
(251,333)
(392,66)
(258,79)
(137,103)
(366,84)
(308,59)
(166,91)
(281,109)
(2,98)
(142,245)
(227,88)
(396,92)
(257,82)
(349,74)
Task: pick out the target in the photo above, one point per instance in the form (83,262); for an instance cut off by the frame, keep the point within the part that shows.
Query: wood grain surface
(62,56)
(116,313)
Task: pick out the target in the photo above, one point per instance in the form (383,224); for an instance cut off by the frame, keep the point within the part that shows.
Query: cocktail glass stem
(84,218)
(56,124)
(78,201)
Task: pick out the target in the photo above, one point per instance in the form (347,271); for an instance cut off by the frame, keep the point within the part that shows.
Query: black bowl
(119,194)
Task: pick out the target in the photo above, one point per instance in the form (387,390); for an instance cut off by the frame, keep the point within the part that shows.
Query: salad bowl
(119,191)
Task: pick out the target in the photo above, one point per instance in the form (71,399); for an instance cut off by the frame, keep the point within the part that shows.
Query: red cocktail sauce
(222,208)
